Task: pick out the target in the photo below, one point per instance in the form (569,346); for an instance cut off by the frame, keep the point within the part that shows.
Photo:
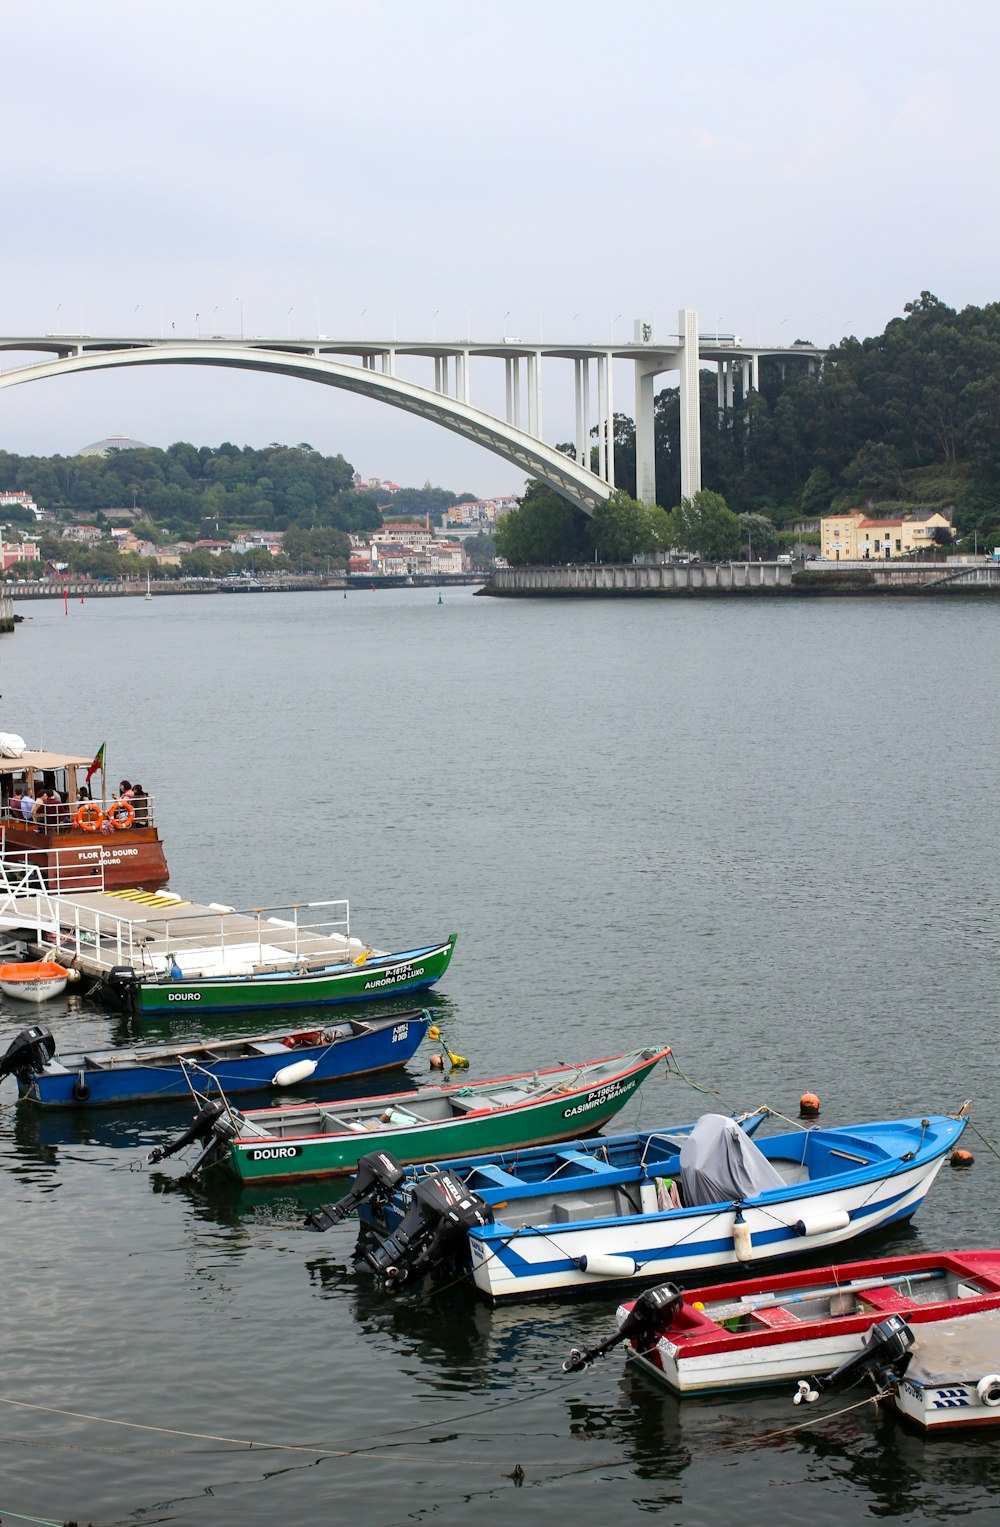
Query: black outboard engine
(121,982)
(28,1054)
(433,1234)
(883,1358)
(644,1322)
(206,1127)
(378,1175)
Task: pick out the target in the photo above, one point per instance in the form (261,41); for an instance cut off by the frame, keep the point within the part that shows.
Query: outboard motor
(205,1127)
(121,982)
(883,1358)
(378,1175)
(650,1313)
(28,1054)
(433,1233)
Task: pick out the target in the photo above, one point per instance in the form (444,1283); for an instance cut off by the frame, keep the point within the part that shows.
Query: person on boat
(126,790)
(51,811)
(140,805)
(28,805)
(14,803)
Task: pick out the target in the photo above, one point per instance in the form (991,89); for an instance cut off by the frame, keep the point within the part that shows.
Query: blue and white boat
(652,1205)
(166,1072)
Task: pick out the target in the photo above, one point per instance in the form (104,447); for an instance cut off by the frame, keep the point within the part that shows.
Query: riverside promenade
(747,579)
(663,578)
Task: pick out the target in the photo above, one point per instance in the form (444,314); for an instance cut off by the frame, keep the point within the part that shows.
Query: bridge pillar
(645,446)
(690,404)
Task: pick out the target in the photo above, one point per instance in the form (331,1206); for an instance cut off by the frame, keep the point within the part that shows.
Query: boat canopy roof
(35,761)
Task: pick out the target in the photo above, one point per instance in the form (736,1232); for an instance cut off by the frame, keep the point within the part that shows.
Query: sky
(540,168)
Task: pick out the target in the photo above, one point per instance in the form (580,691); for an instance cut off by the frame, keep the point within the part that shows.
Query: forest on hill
(909,419)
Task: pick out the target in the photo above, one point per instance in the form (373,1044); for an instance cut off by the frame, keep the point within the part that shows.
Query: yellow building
(854,537)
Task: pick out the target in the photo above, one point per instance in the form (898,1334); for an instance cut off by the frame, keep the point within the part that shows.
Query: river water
(762,832)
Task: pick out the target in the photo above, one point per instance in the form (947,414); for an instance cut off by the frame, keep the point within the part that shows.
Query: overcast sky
(544,167)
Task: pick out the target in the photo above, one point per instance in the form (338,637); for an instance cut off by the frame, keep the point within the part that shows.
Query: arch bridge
(369,368)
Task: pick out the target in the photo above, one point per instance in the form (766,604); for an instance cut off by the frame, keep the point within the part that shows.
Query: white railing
(212,941)
(60,869)
(60,818)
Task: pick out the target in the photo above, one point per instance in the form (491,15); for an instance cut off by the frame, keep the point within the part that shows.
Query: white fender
(742,1241)
(821,1222)
(988,1389)
(289,1075)
(607,1267)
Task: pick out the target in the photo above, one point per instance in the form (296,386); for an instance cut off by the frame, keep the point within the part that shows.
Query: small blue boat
(166,1072)
(651,1205)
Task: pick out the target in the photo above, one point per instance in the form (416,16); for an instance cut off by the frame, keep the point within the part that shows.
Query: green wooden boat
(323,1140)
(347,980)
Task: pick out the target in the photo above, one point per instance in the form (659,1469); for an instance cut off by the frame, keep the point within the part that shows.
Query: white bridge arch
(517,438)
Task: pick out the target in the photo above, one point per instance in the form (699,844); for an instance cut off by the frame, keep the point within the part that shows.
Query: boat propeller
(378,1175)
(883,1358)
(642,1322)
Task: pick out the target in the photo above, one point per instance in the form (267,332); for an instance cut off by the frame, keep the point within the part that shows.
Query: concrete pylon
(690,400)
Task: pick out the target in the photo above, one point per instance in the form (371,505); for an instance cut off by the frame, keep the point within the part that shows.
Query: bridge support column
(538,393)
(645,447)
(602,409)
(508,376)
(581,433)
(610,420)
(690,402)
(516,421)
(533,396)
(586,413)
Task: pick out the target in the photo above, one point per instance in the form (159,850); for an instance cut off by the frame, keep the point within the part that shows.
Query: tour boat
(658,1211)
(317,1140)
(34,980)
(762,1331)
(80,844)
(165,1073)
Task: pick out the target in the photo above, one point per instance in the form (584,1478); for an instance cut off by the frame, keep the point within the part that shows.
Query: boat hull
(72,861)
(386,1046)
(952,1379)
(510,1262)
(259,1162)
(393,975)
(697,1354)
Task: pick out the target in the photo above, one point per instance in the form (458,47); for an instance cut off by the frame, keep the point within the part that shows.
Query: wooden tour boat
(77,843)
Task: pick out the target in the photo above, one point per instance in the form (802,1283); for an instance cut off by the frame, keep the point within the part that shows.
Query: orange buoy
(961,1158)
(808,1105)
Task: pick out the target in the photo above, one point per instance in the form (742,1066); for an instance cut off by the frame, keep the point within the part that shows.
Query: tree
(759,535)
(624,528)
(544,529)
(705,524)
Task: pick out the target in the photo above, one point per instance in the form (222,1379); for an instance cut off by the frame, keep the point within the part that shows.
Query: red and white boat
(772,1330)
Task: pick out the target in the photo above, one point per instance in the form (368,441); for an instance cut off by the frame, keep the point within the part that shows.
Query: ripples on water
(765,833)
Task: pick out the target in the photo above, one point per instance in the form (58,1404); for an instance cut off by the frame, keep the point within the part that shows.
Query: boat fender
(289,1075)
(647,1198)
(80,1089)
(742,1239)
(599,1266)
(988,1389)
(821,1222)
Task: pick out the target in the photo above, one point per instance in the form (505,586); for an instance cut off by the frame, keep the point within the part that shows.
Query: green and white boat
(322,1140)
(255,985)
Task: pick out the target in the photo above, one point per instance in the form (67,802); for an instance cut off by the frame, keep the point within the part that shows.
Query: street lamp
(573,326)
(363,312)
(240,302)
(613,322)
(434,323)
(503,326)
(288,323)
(539,320)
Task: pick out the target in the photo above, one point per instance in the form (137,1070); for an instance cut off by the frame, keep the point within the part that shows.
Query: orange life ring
(121,814)
(89,817)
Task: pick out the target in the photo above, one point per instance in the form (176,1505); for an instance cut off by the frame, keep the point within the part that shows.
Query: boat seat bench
(887,1299)
(775,1317)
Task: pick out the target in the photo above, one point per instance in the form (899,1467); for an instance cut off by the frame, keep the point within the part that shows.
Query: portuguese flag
(97,764)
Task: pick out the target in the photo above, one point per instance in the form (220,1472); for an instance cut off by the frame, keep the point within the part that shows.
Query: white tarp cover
(955,1351)
(720,1163)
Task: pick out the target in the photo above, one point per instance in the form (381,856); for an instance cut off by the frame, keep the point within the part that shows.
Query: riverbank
(728,580)
(81,588)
